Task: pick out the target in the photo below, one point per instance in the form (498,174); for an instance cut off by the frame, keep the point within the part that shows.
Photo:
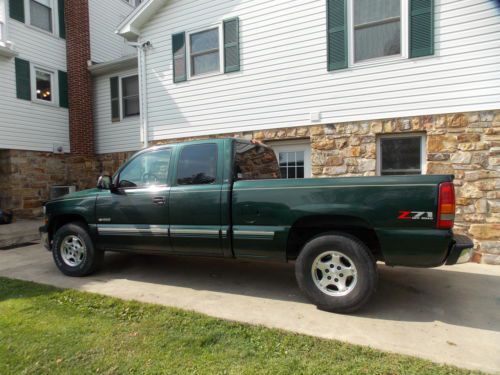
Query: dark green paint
(61,18)
(260,207)
(179,57)
(16,10)
(23,81)
(231,45)
(421,28)
(63,89)
(114,87)
(336,34)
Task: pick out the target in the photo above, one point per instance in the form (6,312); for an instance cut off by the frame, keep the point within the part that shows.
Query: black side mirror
(104,182)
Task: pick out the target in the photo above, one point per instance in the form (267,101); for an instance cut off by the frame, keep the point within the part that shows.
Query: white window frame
(55,18)
(221,51)
(404,37)
(423,151)
(120,97)
(295,146)
(54,84)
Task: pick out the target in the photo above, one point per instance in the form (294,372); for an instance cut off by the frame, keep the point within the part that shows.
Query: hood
(77,194)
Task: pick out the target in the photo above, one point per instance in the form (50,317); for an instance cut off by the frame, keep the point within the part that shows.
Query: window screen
(377,28)
(197,164)
(401,155)
(130,96)
(41,14)
(204,52)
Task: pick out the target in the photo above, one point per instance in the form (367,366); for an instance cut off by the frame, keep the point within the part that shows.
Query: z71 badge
(415,215)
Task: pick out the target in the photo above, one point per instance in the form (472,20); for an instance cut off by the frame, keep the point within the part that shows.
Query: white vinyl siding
(28,125)
(104,17)
(123,135)
(283,75)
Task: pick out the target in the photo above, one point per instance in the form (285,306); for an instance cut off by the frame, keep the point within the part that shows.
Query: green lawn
(44,330)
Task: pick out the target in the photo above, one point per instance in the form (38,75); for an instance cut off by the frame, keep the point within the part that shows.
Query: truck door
(195,200)
(135,216)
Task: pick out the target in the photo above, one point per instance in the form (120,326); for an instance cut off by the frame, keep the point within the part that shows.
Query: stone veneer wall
(26,178)
(464,144)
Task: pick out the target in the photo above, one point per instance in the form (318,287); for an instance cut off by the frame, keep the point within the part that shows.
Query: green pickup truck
(225,198)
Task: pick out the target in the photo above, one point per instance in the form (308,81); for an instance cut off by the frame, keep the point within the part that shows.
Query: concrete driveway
(448,314)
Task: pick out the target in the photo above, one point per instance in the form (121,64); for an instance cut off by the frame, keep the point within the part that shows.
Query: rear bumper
(461,250)
(44,236)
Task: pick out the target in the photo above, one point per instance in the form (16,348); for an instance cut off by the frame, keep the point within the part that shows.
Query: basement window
(401,154)
(294,158)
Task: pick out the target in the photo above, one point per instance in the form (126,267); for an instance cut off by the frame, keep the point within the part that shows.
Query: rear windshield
(253,161)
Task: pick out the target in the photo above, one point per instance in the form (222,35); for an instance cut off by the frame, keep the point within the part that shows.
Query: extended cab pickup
(225,198)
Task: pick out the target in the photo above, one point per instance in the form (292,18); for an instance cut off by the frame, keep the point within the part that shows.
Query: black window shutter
(23,82)
(115,99)
(179,56)
(62,22)
(421,28)
(231,45)
(16,10)
(63,89)
(336,34)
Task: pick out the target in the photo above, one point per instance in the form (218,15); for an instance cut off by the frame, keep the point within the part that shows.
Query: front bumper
(44,236)
(461,250)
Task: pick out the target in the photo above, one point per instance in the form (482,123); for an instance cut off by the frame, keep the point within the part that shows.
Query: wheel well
(308,227)
(61,220)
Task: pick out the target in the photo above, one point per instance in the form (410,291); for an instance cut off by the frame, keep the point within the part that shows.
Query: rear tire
(337,272)
(74,252)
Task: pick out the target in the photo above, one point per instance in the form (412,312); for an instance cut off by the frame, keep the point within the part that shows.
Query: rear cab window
(254,161)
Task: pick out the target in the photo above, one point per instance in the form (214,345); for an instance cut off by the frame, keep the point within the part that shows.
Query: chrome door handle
(160,201)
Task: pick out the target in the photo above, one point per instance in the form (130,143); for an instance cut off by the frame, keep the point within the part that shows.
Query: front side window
(130,96)
(204,52)
(255,162)
(377,28)
(43,85)
(41,14)
(147,169)
(197,164)
(401,155)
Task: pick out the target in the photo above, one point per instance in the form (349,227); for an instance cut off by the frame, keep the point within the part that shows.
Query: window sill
(48,33)
(131,117)
(383,62)
(204,75)
(43,102)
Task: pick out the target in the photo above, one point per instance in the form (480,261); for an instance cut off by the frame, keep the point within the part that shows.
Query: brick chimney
(81,122)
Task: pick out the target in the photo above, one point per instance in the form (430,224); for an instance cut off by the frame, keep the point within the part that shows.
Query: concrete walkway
(19,232)
(448,315)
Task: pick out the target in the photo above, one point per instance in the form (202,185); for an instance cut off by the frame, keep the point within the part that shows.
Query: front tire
(74,252)
(337,272)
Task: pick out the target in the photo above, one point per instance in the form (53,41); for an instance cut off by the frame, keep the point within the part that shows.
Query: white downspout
(143,92)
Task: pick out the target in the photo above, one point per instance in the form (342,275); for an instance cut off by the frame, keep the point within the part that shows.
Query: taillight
(446,206)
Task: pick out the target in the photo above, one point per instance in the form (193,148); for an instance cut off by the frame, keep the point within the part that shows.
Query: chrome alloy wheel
(334,273)
(73,250)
